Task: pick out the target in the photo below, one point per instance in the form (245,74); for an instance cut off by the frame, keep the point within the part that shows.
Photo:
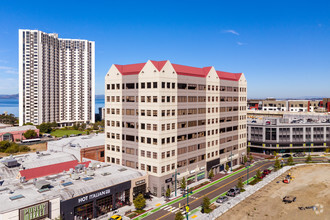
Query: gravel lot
(311,186)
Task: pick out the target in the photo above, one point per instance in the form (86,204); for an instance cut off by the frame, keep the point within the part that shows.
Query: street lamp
(175,176)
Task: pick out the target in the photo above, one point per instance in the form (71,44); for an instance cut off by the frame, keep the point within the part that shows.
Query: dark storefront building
(97,203)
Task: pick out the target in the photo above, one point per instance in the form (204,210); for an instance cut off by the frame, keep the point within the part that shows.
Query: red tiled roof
(159,64)
(132,69)
(229,76)
(50,169)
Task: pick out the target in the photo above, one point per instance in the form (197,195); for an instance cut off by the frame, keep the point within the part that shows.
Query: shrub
(30,134)
(240,184)
(290,161)
(211,174)
(179,216)
(183,183)
(206,205)
(139,202)
(309,159)
(168,192)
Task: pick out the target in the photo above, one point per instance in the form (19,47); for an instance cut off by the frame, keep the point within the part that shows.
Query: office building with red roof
(162,117)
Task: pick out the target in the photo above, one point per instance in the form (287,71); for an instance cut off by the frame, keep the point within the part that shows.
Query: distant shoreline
(15,96)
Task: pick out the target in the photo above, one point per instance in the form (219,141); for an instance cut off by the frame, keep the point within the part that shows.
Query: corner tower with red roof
(161,117)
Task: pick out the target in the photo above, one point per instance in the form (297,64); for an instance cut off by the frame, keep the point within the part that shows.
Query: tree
(277,164)
(47,127)
(290,161)
(183,183)
(248,150)
(309,159)
(179,216)
(245,159)
(240,184)
(30,134)
(168,193)
(87,132)
(227,167)
(95,127)
(258,174)
(211,174)
(206,205)
(82,126)
(250,158)
(139,202)
(75,126)
(274,153)
(29,123)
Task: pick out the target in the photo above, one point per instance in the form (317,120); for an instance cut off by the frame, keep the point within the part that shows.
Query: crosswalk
(173,209)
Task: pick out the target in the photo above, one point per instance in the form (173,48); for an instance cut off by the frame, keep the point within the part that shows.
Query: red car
(262,176)
(267,171)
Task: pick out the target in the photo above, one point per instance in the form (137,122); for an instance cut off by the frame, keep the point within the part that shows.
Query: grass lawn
(61,133)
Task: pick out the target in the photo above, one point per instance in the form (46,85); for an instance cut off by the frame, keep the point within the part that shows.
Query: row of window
(179,138)
(172,85)
(168,112)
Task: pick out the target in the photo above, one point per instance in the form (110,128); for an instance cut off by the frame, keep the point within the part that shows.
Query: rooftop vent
(11,163)
(42,184)
(90,173)
(79,167)
(105,174)
(122,169)
(75,176)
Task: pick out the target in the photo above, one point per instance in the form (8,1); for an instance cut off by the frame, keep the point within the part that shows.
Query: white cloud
(240,43)
(231,32)
(8,70)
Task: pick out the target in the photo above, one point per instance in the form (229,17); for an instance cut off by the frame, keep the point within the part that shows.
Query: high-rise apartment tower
(56,79)
(161,117)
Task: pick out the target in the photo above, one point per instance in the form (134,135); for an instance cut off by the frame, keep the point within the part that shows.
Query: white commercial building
(162,117)
(56,79)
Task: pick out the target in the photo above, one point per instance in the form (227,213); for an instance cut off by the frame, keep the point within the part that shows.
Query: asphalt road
(195,200)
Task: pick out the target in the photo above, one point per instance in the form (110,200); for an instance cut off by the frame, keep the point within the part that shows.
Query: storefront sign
(140,182)
(93,196)
(38,211)
(168,180)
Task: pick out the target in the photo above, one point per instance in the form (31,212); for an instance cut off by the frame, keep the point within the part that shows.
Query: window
(182,85)
(155,84)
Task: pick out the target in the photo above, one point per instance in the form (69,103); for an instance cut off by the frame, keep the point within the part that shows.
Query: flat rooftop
(65,185)
(77,142)
(17,128)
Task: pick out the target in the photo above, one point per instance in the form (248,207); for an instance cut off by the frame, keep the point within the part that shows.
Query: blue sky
(283,47)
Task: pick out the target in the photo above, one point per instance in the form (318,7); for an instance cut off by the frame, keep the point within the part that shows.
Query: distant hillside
(14,96)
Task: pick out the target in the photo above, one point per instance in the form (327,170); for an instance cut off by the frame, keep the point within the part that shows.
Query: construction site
(300,193)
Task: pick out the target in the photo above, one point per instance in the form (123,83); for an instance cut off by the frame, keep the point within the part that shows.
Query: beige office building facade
(162,117)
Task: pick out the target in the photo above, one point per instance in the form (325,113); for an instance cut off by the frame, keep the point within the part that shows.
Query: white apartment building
(56,79)
(162,116)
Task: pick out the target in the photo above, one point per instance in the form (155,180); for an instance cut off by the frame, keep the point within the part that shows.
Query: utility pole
(175,177)
(187,207)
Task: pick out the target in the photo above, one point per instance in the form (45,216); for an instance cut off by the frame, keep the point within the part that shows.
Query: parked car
(72,135)
(263,175)
(267,171)
(299,154)
(222,199)
(286,155)
(115,217)
(233,192)
(253,121)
